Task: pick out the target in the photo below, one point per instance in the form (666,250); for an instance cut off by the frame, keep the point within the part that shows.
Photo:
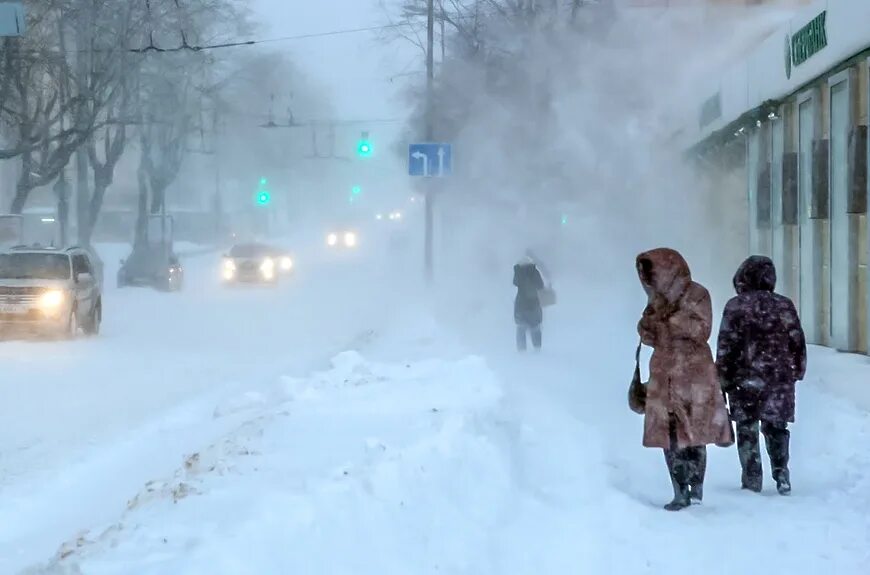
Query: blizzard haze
(326,406)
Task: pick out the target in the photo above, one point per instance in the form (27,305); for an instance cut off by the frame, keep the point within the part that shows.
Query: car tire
(92,326)
(72,326)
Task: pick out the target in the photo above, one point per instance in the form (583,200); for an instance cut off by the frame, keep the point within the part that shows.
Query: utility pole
(218,200)
(60,186)
(430,80)
(84,64)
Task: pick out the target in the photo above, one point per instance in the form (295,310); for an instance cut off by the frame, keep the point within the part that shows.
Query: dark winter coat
(527,305)
(761,350)
(683,386)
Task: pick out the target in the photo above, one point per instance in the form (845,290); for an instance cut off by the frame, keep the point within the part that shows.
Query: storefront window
(806,133)
(777,148)
(839,190)
(752,174)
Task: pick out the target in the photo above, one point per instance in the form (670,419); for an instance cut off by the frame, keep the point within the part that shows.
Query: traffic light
(263,197)
(355,193)
(364,146)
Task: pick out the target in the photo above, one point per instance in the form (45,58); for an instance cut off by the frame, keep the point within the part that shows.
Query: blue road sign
(430,160)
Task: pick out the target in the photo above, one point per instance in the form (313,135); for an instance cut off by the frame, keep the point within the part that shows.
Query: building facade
(786,129)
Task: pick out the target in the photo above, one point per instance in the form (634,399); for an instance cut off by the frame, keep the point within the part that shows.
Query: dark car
(152,266)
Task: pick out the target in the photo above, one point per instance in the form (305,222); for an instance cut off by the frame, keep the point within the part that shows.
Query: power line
(341,32)
(334,33)
(187,47)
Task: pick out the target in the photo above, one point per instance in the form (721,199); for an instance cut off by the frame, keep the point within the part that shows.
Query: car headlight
(350,239)
(229,270)
(332,239)
(51,300)
(267,268)
(286,264)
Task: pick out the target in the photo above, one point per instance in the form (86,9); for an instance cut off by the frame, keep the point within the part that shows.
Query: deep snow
(425,445)
(85,424)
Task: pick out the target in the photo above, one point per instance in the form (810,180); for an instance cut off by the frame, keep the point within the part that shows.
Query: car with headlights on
(343,239)
(284,262)
(254,263)
(50,292)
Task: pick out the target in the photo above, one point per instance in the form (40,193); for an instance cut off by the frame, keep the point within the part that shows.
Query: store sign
(809,40)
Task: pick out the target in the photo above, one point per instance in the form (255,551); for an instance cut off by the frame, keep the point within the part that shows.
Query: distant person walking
(528,313)
(761,354)
(684,408)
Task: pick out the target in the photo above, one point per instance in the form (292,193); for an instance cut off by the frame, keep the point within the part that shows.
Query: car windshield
(34,266)
(249,251)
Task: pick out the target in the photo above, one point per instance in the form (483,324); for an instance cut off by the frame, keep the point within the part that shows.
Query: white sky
(355,68)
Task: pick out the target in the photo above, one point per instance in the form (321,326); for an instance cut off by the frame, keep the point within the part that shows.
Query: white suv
(49,291)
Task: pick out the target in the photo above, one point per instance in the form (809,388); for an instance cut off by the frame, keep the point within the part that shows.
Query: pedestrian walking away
(684,409)
(761,354)
(528,313)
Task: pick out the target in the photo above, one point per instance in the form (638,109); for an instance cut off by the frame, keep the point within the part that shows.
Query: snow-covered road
(431,447)
(85,423)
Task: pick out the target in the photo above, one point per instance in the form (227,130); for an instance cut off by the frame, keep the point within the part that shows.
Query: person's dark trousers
(776,436)
(750,454)
(687,467)
(522,336)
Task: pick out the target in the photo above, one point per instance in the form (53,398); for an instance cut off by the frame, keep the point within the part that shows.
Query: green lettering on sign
(809,40)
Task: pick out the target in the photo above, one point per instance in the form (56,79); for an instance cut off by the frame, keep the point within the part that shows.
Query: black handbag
(637,389)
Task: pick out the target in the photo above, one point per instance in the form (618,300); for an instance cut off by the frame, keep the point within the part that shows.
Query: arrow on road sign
(422,160)
(425,159)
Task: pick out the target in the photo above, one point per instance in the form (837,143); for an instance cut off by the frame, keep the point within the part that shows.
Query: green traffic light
(263,198)
(262,181)
(356,190)
(364,149)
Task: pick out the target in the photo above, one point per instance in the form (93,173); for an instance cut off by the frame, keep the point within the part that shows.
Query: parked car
(152,266)
(50,292)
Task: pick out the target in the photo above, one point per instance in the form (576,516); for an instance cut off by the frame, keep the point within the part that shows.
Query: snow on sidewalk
(365,468)
(448,466)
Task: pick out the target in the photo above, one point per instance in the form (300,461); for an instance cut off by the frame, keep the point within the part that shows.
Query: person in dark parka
(761,354)
(528,313)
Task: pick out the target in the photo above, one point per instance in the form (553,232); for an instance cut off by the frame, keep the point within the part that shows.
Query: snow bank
(389,468)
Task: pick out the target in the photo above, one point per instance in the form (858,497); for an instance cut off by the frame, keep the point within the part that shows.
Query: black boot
(682,497)
(783,482)
(777,437)
(750,455)
(678,471)
(698,471)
